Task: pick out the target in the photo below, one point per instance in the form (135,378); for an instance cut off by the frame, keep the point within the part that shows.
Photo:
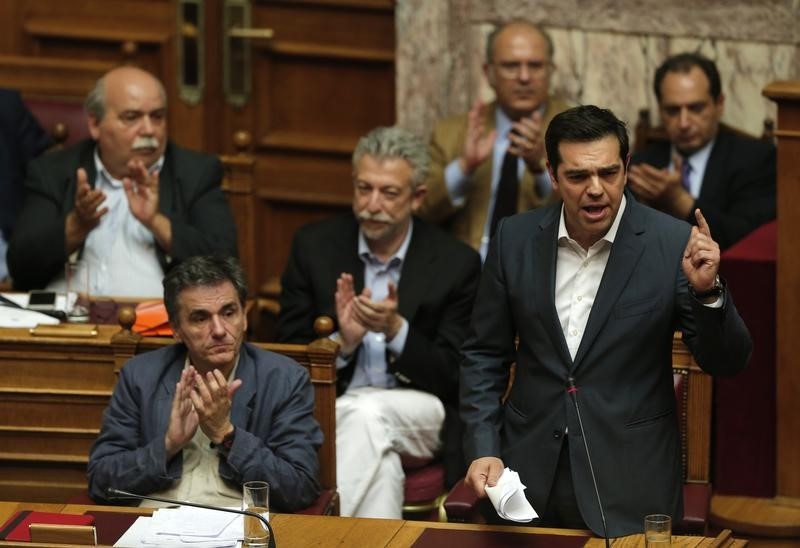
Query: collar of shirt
(371,260)
(105,177)
(563,234)
(698,161)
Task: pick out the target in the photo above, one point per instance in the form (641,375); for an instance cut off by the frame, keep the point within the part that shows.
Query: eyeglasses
(512,70)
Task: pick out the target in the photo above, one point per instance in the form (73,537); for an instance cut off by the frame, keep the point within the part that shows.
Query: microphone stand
(572,390)
(112,494)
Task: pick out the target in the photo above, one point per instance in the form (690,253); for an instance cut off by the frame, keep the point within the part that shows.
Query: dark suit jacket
(21,139)
(276,438)
(189,195)
(738,191)
(437,286)
(622,367)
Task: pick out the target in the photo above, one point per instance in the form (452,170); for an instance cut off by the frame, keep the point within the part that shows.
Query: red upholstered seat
(52,112)
(424,490)
(424,484)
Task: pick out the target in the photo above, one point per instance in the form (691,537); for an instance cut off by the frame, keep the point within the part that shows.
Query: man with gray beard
(401,292)
(128,203)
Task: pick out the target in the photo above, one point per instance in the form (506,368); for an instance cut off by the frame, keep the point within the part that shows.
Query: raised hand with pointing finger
(701,257)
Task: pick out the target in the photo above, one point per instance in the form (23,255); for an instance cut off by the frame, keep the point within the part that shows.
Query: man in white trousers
(400,291)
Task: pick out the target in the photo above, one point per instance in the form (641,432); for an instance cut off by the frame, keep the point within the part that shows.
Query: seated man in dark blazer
(195,420)
(21,140)
(705,164)
(128,203)
(401,292)
(593,288)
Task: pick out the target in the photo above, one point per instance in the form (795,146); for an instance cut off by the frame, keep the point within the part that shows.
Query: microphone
(572,390)
(113,494)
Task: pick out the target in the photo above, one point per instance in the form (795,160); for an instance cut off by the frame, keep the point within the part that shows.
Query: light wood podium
(301,531)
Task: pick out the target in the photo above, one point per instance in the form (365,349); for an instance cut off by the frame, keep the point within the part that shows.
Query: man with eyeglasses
(128,203)
(704,164)
(489,163)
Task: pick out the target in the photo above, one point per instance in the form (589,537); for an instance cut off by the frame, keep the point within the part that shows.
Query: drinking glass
(657,531)
(255,498)
(77,277)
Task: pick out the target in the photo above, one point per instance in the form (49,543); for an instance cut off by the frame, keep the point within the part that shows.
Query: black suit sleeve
(488,354)
(202,223)
(37,251)
(749,193)
(430,360)
(298,308)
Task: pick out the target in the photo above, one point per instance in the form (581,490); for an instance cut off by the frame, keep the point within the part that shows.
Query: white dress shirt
(370,367)
(578,276)
(119,253)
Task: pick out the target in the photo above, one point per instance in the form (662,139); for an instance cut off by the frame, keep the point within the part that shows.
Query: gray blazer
(622,367)
(276,439)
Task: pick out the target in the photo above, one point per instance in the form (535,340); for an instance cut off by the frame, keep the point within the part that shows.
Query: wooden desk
(299,531)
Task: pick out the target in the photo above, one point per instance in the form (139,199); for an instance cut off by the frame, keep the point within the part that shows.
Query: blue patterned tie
(686,170)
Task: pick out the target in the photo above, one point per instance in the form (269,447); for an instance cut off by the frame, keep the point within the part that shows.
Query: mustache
(381,217)
(145,142)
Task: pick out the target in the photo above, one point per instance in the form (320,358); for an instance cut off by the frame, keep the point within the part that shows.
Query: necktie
(505,201)
(686,170)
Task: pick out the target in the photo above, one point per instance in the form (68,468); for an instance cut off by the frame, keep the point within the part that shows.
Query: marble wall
(605,51)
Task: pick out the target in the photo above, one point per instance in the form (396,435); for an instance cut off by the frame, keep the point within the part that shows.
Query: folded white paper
(184,528)
(508,498)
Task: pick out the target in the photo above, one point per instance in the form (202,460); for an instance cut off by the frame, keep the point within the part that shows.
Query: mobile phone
(42,300)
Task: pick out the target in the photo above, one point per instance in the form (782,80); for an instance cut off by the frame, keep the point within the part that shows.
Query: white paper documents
(19,317)
(508,498)
(184,527)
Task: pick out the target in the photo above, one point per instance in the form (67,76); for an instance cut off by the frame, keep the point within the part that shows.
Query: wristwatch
(715,291)
(225,445)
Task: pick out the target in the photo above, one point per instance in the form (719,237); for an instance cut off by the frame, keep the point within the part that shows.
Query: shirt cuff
(397,344)
(716,304)
(341,360)
(456,182)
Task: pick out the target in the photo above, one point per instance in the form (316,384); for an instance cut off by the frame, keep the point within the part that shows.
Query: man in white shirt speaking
(593,288)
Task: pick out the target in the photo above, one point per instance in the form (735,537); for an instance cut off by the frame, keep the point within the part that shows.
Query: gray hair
(95,102)
(201,270)
(490,40)
(393,142)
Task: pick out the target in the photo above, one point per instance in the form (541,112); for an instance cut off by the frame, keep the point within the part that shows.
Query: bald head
(127,117)
(519,62)
(95,103)
(518,26)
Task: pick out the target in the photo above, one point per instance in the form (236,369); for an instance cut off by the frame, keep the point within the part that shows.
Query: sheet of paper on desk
(19,317)
(184,527)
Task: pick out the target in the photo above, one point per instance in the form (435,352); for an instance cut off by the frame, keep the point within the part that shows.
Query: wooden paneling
(325,79)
